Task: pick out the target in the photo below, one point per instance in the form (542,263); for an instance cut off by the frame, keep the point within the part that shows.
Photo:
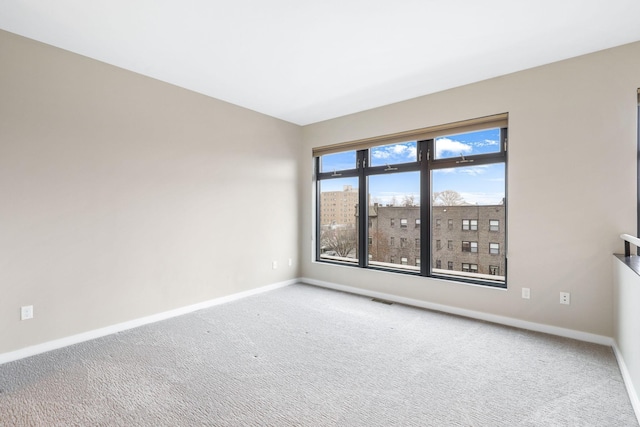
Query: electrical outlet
(26,312)
(274,264)
(565,298)
(526,293)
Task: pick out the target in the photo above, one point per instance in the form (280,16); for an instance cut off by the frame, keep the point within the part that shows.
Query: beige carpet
(305,356)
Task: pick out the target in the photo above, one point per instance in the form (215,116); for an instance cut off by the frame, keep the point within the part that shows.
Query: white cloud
(397,152)
(449,146)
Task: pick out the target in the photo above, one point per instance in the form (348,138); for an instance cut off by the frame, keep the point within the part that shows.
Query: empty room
(281,213)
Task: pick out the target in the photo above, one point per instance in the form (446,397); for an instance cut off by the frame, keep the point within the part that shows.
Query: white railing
(629,239)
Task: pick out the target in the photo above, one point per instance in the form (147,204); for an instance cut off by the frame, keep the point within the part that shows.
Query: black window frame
(425,164)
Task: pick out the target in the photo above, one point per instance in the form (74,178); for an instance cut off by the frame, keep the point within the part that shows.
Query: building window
(494,270)
(438,263)
(351,230)
(470,224)
(494,248)
(417,262)
(471,268)
(404,261)
(470,247)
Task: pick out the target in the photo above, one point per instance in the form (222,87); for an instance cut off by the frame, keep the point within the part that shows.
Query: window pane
(472,198)
(338,219)
(338,161)
(468,144)
(394,203)
(405,152)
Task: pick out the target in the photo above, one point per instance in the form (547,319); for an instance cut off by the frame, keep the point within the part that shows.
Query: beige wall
(571,186)
(122,196)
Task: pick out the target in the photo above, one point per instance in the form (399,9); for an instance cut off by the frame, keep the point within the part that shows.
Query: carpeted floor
(305,356)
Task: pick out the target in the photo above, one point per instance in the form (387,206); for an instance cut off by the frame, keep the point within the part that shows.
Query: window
(437,175)
(494,248)
(470,224)
(438,263)
(469,246)
(494,270)
(471,268)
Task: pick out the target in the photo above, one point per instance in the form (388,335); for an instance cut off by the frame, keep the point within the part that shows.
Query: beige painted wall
(571,186)
(122,196)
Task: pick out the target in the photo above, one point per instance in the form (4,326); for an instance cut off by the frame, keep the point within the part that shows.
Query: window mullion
(363,209)
(425,207)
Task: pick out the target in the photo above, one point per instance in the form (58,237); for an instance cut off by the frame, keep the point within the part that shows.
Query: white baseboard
(503,320)
(97,333)
(631,390)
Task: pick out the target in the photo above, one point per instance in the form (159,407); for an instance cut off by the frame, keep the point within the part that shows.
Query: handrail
(628,238)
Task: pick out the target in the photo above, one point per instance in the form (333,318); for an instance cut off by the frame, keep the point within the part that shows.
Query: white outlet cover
(26,312)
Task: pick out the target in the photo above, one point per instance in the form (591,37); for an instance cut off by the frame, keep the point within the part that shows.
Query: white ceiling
(306,61)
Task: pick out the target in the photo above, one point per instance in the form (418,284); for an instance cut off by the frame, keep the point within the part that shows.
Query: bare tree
(342,241)
(409,201)
(447,198)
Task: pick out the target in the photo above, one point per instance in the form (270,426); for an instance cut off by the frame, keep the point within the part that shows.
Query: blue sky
(483,184)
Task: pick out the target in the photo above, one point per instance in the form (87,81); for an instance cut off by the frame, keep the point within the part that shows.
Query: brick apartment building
(466,238)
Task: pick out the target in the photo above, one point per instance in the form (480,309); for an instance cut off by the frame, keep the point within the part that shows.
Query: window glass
(472,197)
(404,152)
(468,144)
(338,219)
(394,196)
(338,161)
